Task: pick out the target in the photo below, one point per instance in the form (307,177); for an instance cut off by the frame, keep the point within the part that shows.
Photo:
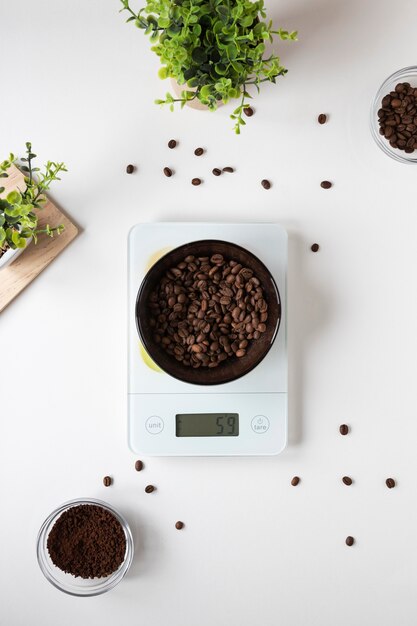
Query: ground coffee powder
(87,541)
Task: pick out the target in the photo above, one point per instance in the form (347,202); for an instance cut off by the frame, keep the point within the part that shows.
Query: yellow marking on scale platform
(151,261)
(156,256)
(147,360)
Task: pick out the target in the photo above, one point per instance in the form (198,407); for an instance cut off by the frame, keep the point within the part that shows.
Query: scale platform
(168,417)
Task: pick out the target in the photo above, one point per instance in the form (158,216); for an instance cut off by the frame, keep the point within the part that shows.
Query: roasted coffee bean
(139,466)
(198,151)
(130,169)
(172,143)
(179,525)
(266,184)
(325,184)
(347,480)
(196,181)
(167,171)
(248,111)
(107,481)
(228,169)
(322,118)
(343,429)
(149,488)
(350,541)
(390,483)
(216,171)
(295,481)
(315,247)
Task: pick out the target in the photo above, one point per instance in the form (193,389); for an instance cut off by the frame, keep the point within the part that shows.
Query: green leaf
(14,197)
(246,21)
(2,235)
(223,13)
(232,51)
(164,22)
(199,55)
(18,241)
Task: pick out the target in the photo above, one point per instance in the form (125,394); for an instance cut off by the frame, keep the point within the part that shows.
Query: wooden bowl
(233,367)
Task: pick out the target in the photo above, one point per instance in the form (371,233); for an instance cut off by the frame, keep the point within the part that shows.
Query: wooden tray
(15,277)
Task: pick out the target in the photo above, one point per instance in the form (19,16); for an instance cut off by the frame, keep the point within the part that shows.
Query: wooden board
(34,259)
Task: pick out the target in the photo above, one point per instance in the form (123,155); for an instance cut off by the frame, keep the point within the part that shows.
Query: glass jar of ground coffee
(85,547)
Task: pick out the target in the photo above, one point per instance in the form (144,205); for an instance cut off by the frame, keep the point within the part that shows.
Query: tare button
(154,425)
(260,424)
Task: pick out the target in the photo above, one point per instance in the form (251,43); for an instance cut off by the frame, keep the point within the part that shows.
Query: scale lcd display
(207,425)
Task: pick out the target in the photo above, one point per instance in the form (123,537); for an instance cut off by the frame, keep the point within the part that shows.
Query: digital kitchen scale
(168,417)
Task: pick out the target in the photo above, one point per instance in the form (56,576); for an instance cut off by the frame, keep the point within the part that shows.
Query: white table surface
(80,84)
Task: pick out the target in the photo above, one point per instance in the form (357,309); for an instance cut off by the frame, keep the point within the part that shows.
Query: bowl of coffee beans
(208,312)
(85,547)
(394,116)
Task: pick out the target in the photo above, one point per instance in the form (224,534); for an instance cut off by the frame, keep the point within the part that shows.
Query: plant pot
(11,255)
(193,104)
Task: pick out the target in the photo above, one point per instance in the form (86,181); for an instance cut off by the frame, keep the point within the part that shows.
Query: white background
(80,84)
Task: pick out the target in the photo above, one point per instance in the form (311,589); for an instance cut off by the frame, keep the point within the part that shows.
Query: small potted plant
(214,49)
(18,209)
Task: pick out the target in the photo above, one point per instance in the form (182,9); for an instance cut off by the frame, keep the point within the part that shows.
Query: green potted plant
(214,49)
(18,209)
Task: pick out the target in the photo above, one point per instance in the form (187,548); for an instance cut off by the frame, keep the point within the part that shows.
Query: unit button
(154,425)
(260,424)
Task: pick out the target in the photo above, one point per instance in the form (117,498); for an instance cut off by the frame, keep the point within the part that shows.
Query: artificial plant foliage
(18,209)
(216,49)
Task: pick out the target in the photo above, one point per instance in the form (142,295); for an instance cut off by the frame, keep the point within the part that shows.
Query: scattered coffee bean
(266,184)
(196,181)
(228,169)
(350,541)
(172,143)
(322,118)
(325,184)
(138,466)
(216,171)
(107,481)
(347,480)
(206,310)
(390,483)
(167,172)
(315,247)
(198,151)
(397,118)
(179,525)
(295,481)
(248,111)
(343,429)
(87,541)
(130,169)
(149,488)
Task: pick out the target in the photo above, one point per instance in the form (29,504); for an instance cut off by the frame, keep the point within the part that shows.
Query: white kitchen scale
(168,417)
